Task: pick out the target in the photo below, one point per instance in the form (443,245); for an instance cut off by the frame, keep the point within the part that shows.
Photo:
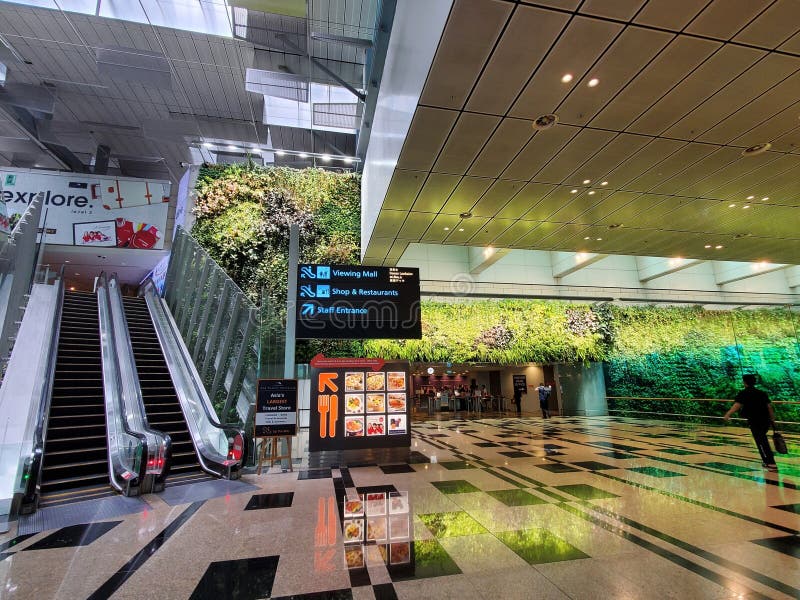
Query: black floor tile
(377,489)
(513,443)
(244,579)
(74,535)
(794,508)
(392,469)
(315,474)
(329,595)
(555,467)
(486,444)
(593,465)
(618,455)
(418,457)
(384,591)
(618,447)
(259,501)
(437,435)
(515,454)
(788,544)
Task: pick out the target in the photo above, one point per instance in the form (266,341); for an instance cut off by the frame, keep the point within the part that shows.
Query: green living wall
(243,217)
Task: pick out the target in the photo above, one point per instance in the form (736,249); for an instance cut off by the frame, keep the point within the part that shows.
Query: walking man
(757,409)
(544,396)
(518,401)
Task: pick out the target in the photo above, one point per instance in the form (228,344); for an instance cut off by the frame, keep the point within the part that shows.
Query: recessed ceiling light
(66,261)
(731,205)
(279,152)
(72,288)
(303,155)
(545,122)
(587,181)
(599,239)
(447,229)
(765,198)
(757,149)
(77,273)
(718,246)
(603,183)
(461,229)
(750,197)
(326,157)
(465,215)
(566,78)
(587,238)
(708,245)
(593,82)
(573,191)
(746,206)
(591,192)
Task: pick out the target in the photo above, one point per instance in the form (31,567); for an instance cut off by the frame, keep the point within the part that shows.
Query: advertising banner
(90,210)
(520,383)
(356,302)
(359,404)
(276,408)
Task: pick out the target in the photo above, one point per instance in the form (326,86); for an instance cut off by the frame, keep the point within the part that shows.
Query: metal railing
(219,325)
(18,258)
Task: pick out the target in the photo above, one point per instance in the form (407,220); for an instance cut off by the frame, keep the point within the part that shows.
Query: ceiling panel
(702,83)
(574,154)
(576,51)
(466,230)
(539,151)
(465,142)
(403,189)
(389,223)
(505,143)
(723,20)
(655,151)
(435,192)
(414,226)
(667,168)
(717,159)
(612,209)
(527,38)
(426,136)
(617,151)
(488,232)
(527,198)
(630,52)
(436,232)
(467,41)
(497,197)
(466,194)
(620,9)
(510,235)
(773,27)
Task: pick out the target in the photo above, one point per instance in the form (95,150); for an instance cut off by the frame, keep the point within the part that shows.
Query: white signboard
(91,210)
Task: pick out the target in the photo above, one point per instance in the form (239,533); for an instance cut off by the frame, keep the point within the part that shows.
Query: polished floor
(600,507)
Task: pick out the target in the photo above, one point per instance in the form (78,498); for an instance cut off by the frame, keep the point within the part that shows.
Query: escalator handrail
(114,400)
(183,362)
(32,468)
(159,442)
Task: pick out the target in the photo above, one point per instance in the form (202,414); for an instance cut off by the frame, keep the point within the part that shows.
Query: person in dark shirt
(760,417)
(518,400)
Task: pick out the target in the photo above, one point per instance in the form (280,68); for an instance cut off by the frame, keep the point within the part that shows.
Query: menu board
(355,302)
(358,405)
(377,530)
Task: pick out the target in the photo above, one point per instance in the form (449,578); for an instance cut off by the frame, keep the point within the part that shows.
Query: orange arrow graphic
(328,380)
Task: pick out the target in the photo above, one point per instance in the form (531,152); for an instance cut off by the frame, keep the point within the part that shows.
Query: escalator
(76,455)
(161,404)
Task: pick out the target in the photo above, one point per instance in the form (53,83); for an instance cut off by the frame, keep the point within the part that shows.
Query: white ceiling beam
(728,272)
(481,259)
(652,268)
(566,263)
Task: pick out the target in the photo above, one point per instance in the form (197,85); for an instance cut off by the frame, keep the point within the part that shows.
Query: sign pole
(291,295)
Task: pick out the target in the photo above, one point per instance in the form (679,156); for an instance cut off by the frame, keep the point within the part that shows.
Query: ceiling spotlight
(573,191)
(461,229)
(731,205)
(757,149)
(66,261)
(599,239)
(603,183)
(303,155)
(587,181)
(545,122)
(708,245)
(587,238)
(77,273)
(593,82)
(72,288)
(279,152)
(326,157)
(207,145)
(591,192)
(718,246)
(447,229)
(750,197)
(765,198)
(746,206)
(465,215)
(566,78)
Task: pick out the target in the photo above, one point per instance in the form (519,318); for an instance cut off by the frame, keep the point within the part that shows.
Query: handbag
(780,443)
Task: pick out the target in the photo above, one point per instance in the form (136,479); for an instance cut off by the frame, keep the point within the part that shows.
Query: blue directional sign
(358,302)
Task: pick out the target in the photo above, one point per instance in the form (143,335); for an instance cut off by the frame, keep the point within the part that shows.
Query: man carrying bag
(760,416)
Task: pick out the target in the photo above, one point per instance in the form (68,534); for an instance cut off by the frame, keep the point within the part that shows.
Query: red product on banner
(124,232)
(145,238)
